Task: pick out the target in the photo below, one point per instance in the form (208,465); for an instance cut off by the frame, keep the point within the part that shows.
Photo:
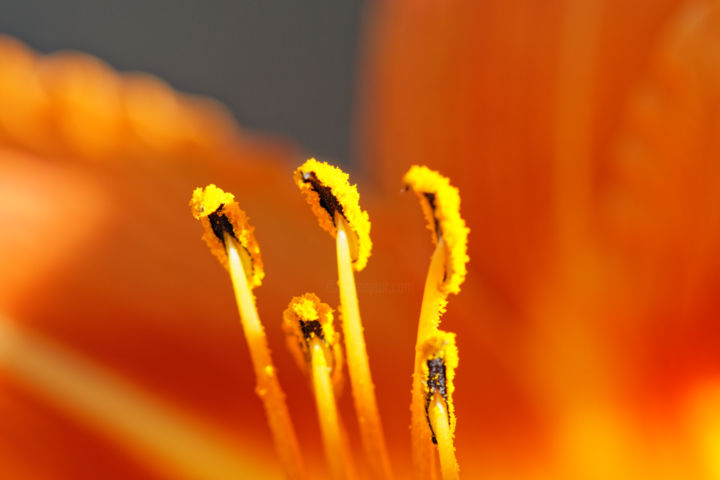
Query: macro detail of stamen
(436,383)
(230,238)
(219,214)
(221,225)
(305,319)
(325,195)
(311,337)
(440,359)
(435,353)
(440,203)
(336,204)
(328,191)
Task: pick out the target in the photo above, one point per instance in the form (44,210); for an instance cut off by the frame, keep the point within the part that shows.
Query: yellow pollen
(439,357)
(220,214)
(440,203)
(328,191)
(307,318)
(439,361)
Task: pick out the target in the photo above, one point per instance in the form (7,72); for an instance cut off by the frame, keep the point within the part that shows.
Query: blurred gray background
(284,66)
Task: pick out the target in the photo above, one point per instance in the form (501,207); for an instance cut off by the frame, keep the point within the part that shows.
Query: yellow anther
(440,203)
(328,191)
(439,361)
(220,214)
(307,318)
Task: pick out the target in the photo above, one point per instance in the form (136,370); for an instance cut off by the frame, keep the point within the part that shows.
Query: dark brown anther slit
(430,197)
(436,383)
(310,328)
(221,225)
(327,200)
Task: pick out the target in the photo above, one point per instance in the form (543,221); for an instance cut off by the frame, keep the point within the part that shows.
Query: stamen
(433,305)
(236,239)
(336,204)
(328,191)
(308,324)
(440,359)
(440,203)
(219,214)
(305,319)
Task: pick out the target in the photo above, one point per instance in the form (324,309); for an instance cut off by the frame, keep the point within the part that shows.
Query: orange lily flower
(582,137)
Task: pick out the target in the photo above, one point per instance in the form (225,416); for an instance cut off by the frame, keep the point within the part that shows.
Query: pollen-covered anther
(307,320)
(440,203)
(328,191)
(440,359)
(222,218)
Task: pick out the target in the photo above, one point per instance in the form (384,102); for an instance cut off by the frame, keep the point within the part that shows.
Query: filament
(336,449)
(268,388)
(439,419)
(358,366)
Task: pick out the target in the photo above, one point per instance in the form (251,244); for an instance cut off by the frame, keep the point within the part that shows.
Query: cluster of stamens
(308,322)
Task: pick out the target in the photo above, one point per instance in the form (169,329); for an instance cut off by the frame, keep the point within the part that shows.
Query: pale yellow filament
(268,388)
(358,366)
(335,448)
(433,300)
(438,414)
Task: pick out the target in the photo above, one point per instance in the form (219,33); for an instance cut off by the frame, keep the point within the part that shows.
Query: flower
(583,139)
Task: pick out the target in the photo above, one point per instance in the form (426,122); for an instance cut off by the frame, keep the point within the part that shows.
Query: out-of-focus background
(283,67)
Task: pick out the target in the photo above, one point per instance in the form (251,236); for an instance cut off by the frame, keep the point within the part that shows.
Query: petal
(100,253)
(522,107)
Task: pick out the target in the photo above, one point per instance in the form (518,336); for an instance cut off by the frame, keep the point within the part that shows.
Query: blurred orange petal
(583,138)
